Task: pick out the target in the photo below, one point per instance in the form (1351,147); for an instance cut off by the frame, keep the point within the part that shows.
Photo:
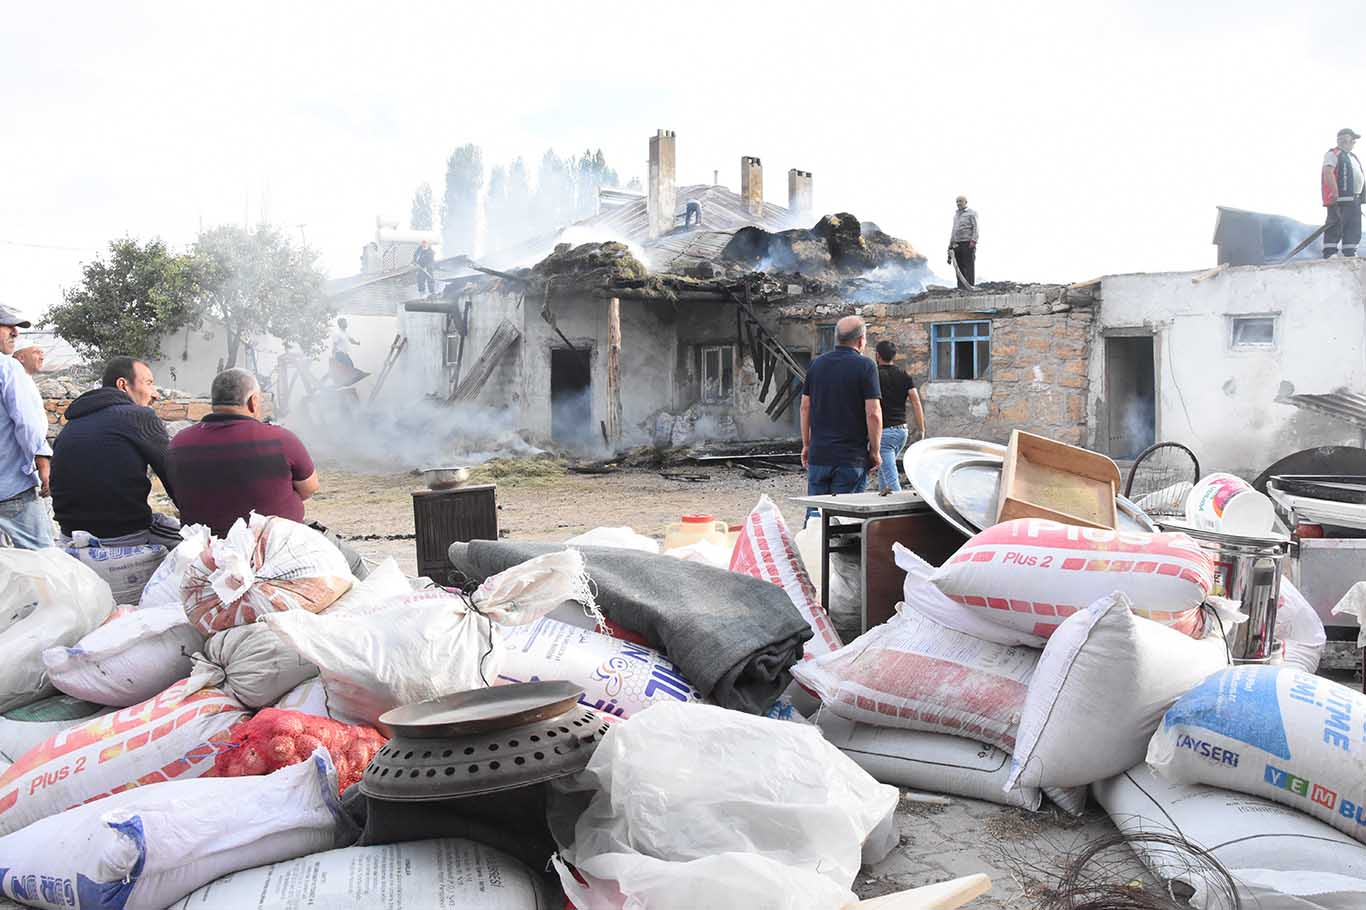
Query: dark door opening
(571,397)
(1130,395)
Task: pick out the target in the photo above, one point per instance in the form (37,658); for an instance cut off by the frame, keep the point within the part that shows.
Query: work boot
(1329,252)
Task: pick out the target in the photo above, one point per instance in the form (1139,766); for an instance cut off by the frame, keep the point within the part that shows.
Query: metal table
(854,505)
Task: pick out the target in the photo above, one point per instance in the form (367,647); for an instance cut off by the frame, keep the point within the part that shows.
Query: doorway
(571,397)
(1130,394)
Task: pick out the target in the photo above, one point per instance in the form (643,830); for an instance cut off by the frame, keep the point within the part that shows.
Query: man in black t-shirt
(841,415)
(897,389)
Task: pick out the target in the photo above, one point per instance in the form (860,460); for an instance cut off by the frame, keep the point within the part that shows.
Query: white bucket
(1229,505)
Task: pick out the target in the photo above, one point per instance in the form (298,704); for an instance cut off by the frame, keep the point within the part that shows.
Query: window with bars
(717,373)
(960,350)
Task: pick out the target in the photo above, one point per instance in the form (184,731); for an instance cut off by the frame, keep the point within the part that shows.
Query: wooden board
(503,338)
(924,533)
(949,895)
(1043,478)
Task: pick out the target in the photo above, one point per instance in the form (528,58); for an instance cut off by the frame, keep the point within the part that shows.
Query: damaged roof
(723,209)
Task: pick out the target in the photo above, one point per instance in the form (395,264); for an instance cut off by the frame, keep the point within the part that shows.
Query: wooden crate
(444,517)
(1043,478)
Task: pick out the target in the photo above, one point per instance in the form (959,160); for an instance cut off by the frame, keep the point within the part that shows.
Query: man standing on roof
(963,244)
(425,260)
(1343,185)
(841,415)
(23,443)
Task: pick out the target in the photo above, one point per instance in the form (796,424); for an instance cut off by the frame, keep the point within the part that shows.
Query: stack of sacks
(146,848)
(428,643)
(1034,638)
(127,569)
(47,599)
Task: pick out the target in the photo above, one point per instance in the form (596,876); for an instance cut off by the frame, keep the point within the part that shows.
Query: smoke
(896,281)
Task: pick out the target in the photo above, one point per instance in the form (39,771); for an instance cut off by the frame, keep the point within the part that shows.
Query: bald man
(841,415)
(32,357)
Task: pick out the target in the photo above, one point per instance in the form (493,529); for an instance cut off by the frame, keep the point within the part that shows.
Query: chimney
(799,192)
(752,185)
(660,198)
(715,178)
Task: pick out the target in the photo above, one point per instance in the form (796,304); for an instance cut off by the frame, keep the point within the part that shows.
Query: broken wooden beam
(504,337)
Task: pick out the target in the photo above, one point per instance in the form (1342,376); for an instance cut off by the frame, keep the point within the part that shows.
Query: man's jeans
(24,520)
(893,441)
(822,480)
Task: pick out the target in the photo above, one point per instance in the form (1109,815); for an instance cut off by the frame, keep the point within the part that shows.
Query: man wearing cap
(1344,181)
(24,521)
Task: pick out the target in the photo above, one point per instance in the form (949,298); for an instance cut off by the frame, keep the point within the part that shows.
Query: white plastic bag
(128,659)
(1242,832)
(1100,689)
(845,590)
(47,599)
(622,538)
(143,849)
(698,806)
(258,666)
(618,677)
(1272,732)
(913,673)
(1030,574)
(170,737)
(384,583)
(308,697)
(767,550)
(127,569)
(447,873)
(706,552)
(1299,627)
(429,643)
(932,762)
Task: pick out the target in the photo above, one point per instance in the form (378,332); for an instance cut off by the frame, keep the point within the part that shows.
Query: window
(451,352)
(1252,333)
(960,350)
(718,373)
(825,338)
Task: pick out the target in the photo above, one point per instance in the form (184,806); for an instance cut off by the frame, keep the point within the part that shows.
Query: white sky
(1091,137)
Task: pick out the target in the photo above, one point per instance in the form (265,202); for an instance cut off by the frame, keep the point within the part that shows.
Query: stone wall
(58,394)
(1040,358)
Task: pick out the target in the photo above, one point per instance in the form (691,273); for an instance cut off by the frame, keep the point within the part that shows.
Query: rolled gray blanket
(735,637)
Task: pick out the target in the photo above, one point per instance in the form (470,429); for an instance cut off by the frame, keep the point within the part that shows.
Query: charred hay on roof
(835,248)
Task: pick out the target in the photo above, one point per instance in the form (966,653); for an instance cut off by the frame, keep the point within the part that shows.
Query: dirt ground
(538,499)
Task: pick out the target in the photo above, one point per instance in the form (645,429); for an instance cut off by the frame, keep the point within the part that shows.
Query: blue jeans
(893,441)
(25,521)
(822,480)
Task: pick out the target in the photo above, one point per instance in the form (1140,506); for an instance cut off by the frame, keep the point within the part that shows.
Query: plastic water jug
(693,528)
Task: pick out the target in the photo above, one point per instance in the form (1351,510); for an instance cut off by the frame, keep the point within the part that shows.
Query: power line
(49,246)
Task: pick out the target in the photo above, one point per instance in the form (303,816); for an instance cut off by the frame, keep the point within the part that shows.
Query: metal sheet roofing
(1345,406)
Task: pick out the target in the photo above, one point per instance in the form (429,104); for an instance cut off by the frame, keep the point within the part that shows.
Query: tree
(553,204)
(257,283)
(591,174)
(497,226)
(127,304)
(460,205)
(421,218)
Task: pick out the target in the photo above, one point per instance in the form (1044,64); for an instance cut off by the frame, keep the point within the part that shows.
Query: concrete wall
(1220,402)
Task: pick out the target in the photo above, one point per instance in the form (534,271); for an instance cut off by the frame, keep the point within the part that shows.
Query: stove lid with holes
(480,710)
(471,764)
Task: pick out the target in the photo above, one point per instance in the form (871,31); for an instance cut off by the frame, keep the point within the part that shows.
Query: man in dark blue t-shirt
(841,415)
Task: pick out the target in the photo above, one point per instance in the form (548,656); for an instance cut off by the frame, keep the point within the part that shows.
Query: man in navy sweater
(100,461)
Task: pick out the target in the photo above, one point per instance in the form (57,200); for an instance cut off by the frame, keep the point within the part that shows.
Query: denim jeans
(822,480)
(893,441)
(25,521)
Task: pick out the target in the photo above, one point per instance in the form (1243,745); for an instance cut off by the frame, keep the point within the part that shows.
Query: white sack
(1242,832)
(384,583)
(171,737)
(1298,626)
(931,762)
(767,550)
(845,591)
(621,538)
(146,848)
(1071,800)
(258,666)
(698,806)
(1030,574)
(450,873)
(47,599)
(128,659)
(1105,678)
(308,697)
(1353,604)
(1272,732)
(127,569)
(23,728)
(429,643)
(618,677)
(913,673)
(707,552)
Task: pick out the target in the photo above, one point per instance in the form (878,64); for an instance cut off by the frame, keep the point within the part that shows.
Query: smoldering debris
(835,248)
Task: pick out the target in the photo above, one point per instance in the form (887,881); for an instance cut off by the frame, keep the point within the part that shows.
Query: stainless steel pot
(1246,570)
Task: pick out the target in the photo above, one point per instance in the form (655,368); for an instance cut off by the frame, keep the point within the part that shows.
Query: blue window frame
(960,350)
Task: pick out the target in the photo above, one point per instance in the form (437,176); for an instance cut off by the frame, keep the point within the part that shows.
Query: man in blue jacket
(100,461)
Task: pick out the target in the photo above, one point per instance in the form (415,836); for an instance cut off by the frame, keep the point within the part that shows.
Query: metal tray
(482,710)
(966,465)
(1332,487)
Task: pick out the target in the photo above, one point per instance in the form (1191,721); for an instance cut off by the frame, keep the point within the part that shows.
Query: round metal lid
(482,710)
